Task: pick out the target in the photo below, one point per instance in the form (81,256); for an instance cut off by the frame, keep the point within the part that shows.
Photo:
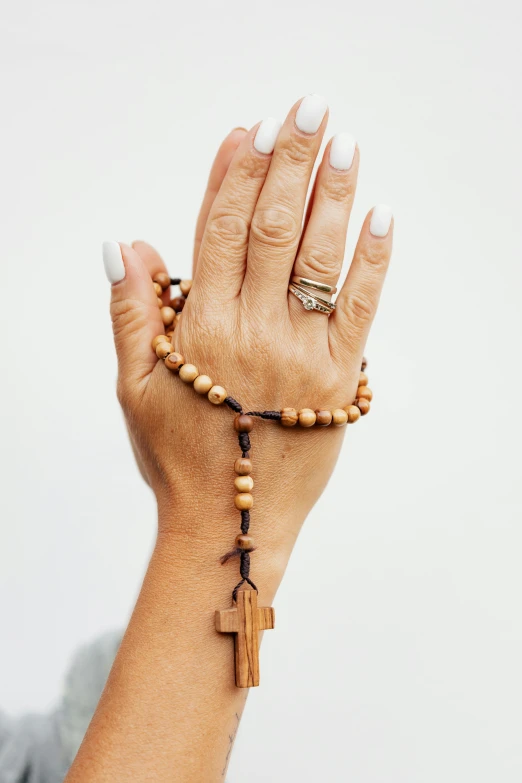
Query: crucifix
(245,620)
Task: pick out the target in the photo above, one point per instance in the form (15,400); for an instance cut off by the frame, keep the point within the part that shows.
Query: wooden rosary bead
(203,384)
(158,289)
(174,361)
(176,319)
(243,466)
(164,349)
(353,413)
(339,417)
(185,287)
(188,373)
(162,279)
(289,417)
(244,542)
(217,395)
(160,302)
(170,335)
(243,423)
(161,338)
(178,303)
(364,393)
(323,418)
(244,483)
(167,315)
(307,417)
(364,406)
(244,501)
(363,379)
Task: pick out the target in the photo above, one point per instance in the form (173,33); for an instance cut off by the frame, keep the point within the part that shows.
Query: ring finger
(321,254)
(275,230)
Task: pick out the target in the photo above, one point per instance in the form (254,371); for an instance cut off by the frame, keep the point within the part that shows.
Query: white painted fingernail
(266,135)
(310,113)
(113,262)
(342,150)
(380,220)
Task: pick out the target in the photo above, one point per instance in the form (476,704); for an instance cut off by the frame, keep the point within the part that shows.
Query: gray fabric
(41,748)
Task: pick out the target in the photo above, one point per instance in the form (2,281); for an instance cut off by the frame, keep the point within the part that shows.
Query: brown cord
(245,446)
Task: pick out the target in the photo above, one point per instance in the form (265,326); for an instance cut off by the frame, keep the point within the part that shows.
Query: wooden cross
(246,620)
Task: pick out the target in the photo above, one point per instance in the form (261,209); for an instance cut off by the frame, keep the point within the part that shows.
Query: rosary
(245,619)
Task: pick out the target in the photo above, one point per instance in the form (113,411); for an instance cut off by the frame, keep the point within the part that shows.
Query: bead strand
(243,422)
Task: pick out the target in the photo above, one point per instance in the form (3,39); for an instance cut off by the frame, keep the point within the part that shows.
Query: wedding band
(310,302)
(324,287)
(326,302)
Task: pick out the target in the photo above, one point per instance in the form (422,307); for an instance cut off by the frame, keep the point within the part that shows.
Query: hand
(241,327)
(170,708)
(152,259)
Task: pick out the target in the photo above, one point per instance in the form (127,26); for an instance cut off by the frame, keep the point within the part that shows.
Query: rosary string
(243,422)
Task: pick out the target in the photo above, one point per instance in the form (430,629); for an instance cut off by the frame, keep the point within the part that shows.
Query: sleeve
(41,748)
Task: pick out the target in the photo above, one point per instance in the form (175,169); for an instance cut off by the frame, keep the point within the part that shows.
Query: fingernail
(342,150)
(380,220)
(113,262)
(310,113)
(266,135)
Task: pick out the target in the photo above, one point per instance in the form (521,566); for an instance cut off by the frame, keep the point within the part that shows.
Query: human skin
(170,709)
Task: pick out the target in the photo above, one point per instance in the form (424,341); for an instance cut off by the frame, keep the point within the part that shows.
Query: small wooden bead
(244,542)
(164,349)
(188,373)
(178,303)
(243,423)
(203,384)
(353,413)
(160,302)
(244,501)
(217,395)
(170,335)
(289,417)
(364,393)
(363,379)
(243,466)
(244,483)
(167,315)
(364,406)
(174,361)
(161,338)
(307,417)
(339,417)
(176,319)
(185,286)
(158,289)
(364,364)
(162,279)
(323,418)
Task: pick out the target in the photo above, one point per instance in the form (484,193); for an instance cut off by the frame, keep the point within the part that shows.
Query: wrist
(192,550)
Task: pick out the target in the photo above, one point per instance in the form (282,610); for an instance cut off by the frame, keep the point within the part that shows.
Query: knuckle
(339,188)
(253,167)
(359,308)
(295,150)
(321,263)
(128,316)
(275,226)
(227,229)
(375,256)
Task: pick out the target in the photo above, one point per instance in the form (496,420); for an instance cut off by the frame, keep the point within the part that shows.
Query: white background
(111,113)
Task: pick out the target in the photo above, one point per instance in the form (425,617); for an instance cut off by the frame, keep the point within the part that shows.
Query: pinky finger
(359,297)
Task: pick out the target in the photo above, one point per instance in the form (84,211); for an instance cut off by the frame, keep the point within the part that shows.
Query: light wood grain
(245,620)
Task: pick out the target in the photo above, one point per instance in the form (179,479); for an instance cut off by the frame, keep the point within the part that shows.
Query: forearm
(171,706)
